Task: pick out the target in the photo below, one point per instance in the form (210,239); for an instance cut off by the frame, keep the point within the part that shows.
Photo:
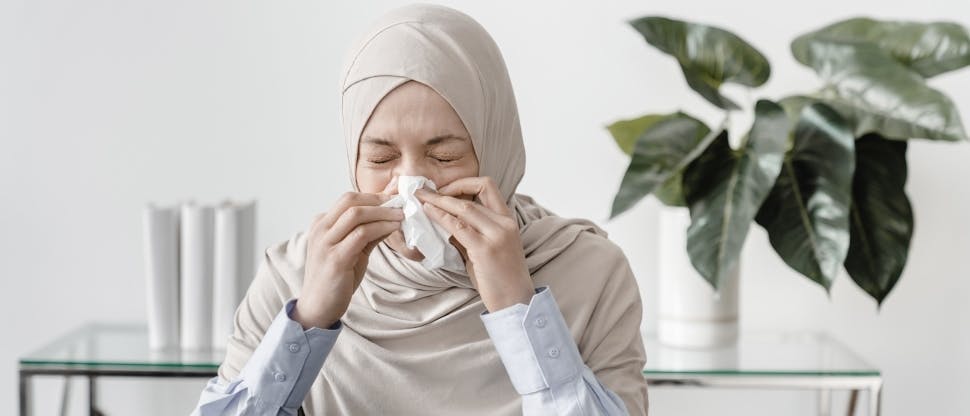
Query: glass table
(118,350)
(759,360)
(769,360)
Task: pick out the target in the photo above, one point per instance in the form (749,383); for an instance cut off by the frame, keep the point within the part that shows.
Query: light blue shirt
(533,342)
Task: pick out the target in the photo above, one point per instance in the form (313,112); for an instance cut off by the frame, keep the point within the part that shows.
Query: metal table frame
(28,371)
(823,384)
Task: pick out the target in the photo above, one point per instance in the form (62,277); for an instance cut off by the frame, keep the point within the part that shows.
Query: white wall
(105,105)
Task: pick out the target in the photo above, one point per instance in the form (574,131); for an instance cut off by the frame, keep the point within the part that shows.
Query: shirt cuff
(287,360)
(534,343)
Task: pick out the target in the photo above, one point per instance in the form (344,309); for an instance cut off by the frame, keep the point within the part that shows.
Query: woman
(426,93)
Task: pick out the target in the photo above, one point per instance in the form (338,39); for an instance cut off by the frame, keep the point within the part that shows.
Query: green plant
(822,172)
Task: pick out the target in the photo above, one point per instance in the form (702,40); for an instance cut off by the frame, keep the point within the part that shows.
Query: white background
(108,104)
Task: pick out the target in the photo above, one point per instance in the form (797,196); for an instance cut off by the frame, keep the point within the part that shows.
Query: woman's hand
(339,243)
(488,239)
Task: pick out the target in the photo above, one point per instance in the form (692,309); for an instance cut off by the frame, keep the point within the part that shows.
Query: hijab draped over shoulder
(413,340)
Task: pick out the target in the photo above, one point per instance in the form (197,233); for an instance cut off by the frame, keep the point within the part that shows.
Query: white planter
(692,315)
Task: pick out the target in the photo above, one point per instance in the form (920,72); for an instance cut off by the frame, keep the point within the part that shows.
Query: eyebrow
(430,142)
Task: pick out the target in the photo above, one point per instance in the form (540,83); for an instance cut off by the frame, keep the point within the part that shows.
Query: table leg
(853,398)
(875,400)
(24,394)
(824,402)
(92,397)
(65,395)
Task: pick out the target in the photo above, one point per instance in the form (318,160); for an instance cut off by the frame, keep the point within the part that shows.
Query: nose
(414,166)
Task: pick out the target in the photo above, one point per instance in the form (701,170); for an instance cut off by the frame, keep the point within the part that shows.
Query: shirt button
(294,347)
(280,377)
(554,352)
(540,322)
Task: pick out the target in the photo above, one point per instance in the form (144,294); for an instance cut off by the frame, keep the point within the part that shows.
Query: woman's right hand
(339,243)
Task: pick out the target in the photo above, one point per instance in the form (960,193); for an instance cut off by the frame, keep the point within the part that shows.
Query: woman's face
(413,131)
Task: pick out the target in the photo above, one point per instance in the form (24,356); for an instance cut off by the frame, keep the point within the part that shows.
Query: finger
(461,231)
(351,199)
(480,217)
(470,212)
(358,215)
(481,186)
(317,219)
(364,234)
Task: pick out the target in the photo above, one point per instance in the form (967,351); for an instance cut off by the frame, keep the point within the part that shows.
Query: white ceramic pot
(691,314)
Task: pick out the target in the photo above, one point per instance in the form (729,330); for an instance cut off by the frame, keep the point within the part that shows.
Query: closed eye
(445,157)
(378,160)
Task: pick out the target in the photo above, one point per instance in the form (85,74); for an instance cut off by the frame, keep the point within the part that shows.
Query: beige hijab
(413,342)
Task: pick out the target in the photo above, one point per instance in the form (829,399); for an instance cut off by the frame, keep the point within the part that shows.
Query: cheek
(372,180)
(449,175)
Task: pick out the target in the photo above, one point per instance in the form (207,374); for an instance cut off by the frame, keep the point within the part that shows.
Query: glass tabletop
(759,354)
(111,346)
(103,346)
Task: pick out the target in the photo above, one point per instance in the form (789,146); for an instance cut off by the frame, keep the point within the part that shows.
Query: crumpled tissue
(419,231)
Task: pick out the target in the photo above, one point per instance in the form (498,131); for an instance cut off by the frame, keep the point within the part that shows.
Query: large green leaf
(626,132)
(877,94)
(671,192)
(928,48)
(660,154)
(806,214)
(882,218)
(724,190)
(708,56)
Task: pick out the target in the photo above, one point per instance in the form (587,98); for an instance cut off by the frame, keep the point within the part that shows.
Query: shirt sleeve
(277,376)
(543,361)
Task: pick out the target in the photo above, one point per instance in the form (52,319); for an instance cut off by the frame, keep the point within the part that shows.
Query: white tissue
(419,231)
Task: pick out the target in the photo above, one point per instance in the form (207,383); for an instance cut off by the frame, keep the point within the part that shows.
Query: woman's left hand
(488,239)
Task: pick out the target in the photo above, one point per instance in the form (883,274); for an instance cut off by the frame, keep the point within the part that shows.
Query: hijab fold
(413,342)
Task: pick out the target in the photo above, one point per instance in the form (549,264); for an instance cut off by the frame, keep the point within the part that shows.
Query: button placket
(551,341)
